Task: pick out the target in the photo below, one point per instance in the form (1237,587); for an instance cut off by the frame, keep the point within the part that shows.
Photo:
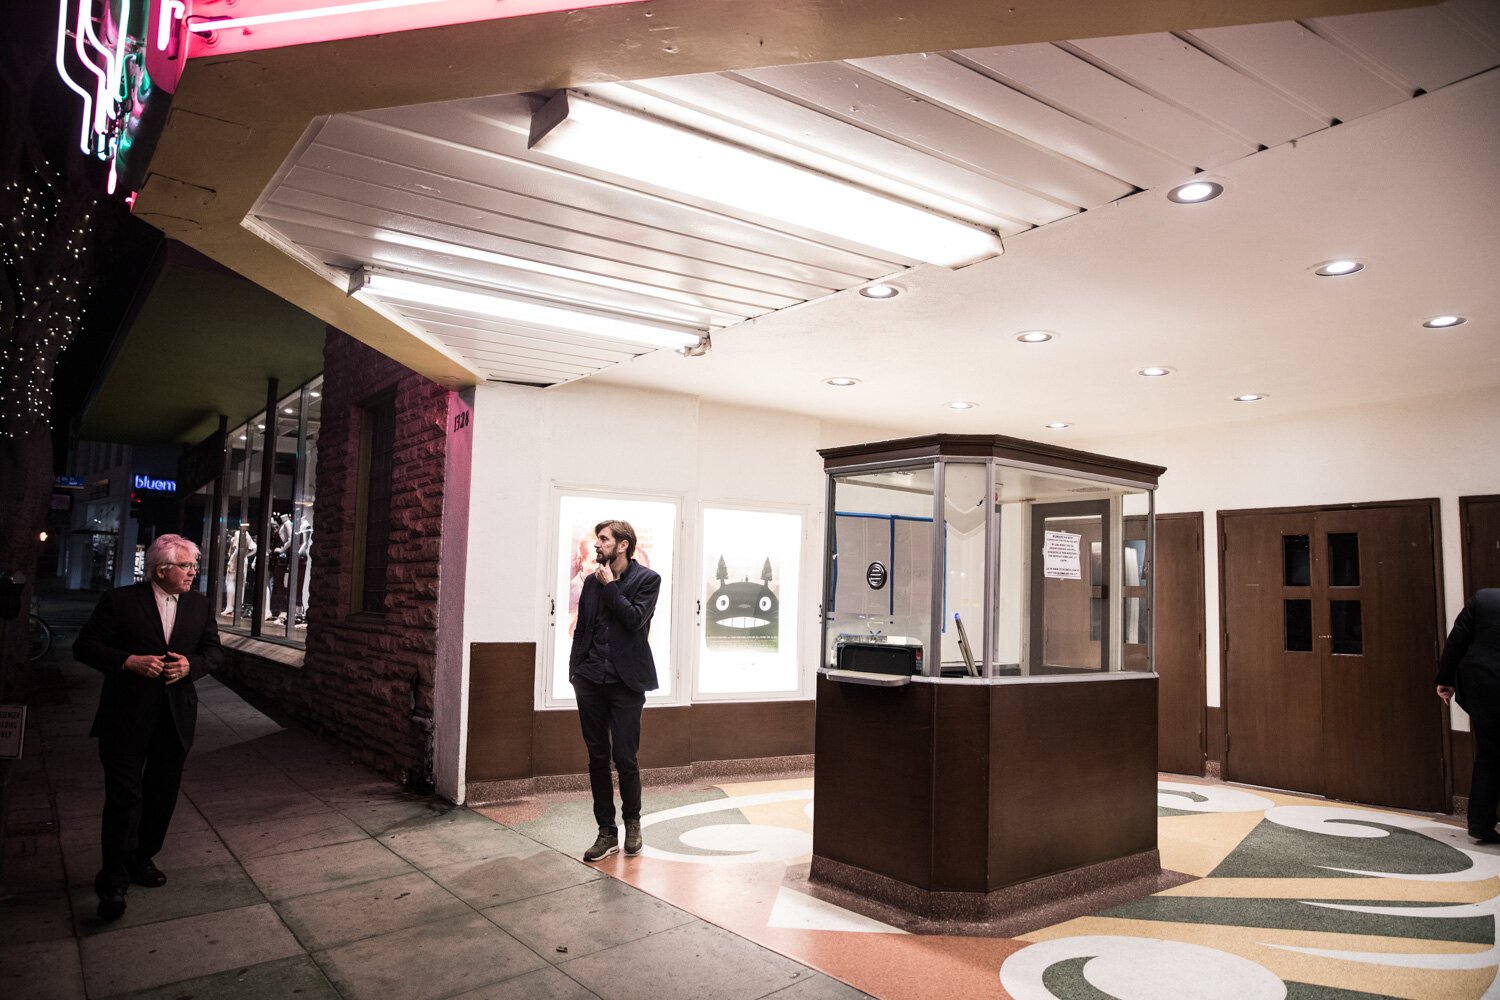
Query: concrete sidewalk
(294,872)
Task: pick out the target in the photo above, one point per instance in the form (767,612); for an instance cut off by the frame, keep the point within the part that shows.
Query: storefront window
(269,599)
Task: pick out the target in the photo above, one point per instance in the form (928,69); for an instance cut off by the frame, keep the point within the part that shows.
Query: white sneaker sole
(612,850)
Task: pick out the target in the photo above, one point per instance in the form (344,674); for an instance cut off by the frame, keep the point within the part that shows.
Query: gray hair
(164,550)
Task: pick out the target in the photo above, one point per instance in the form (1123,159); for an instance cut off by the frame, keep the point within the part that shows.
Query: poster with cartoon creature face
(740,612)
(751,563)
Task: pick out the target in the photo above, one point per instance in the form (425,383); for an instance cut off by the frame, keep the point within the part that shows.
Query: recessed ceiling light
(841,380)
(1154,371)
(287,409)
(1337,268)
(1057,425)
(1035,336)
(1250,397)
(961,404)
(880,290)
(1445,322)
(314,393)
(1194,192)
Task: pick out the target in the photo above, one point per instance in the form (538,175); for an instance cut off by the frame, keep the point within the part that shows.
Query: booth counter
(986,708)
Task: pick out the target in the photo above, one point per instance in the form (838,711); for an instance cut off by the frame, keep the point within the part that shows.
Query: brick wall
(367,680)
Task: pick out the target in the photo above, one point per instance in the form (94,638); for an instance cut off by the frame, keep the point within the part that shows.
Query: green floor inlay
(1275,851)
(1293,914)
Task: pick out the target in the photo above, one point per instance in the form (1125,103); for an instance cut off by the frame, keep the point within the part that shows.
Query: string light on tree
(43,249)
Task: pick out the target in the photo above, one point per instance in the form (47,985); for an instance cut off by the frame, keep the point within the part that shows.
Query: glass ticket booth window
(967,566)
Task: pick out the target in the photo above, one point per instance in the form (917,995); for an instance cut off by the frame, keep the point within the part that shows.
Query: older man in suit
(1470,668)
(151,641)
(611,668)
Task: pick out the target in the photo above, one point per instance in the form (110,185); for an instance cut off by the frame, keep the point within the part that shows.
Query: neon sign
(103,56)
(222,26)
(142,482)
(124,58)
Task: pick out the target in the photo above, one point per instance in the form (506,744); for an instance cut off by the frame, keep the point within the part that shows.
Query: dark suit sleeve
(101,643)
(582,630)
(207,654)
(633,610)
(1456,647)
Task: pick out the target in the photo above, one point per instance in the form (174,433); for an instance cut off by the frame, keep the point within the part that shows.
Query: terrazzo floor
(1288,897)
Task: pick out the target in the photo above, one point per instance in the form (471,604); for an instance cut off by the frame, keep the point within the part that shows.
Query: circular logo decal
(876,575)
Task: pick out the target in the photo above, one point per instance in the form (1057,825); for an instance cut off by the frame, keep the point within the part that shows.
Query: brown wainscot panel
(557,743)
(748,730)
(666,736)
(501,676)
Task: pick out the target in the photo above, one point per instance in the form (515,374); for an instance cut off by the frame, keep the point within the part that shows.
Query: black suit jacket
(126,623)
(630,601)
(1471,659)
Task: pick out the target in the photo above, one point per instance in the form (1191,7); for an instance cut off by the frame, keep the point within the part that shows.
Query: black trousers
(610,715)
(142,773)
(1484,787)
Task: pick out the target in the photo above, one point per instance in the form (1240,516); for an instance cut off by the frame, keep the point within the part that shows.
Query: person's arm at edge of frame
(1453,652)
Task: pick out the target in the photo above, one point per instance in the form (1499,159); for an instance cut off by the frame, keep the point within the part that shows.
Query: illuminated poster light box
(751,564)
(655,524)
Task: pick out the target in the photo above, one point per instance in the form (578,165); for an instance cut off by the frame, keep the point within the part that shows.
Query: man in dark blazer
(1470,668)
(611,669)
(151,640)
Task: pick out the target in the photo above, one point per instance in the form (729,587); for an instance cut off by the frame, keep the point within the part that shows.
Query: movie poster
(655,524)
(751,565)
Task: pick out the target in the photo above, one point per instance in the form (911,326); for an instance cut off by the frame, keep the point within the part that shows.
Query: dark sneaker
(607,844)
(632,836)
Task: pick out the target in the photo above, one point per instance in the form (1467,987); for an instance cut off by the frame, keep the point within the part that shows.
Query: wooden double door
(1330,632)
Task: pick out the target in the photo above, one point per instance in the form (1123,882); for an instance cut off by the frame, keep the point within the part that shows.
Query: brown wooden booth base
(970,786)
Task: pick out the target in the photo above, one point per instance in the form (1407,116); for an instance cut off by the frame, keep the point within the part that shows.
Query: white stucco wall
(592,436)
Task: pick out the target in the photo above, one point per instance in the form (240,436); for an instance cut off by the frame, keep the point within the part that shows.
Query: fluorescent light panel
(655,152)
(526,312)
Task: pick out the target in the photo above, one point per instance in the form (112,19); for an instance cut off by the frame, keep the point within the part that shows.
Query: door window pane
(1298,615)
(1296,564)
(1343,559)
(1346,628)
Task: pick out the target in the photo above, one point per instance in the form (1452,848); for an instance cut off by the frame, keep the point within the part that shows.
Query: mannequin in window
(239,565)
(304,562)
(231,557)
(277,597)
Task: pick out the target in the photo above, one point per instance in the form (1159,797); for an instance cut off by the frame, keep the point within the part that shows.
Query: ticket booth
(986,704)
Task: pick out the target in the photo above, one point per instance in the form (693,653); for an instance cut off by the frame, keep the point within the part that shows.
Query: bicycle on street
(39,637)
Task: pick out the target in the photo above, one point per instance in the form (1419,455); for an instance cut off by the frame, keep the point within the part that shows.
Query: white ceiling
(1065,149)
